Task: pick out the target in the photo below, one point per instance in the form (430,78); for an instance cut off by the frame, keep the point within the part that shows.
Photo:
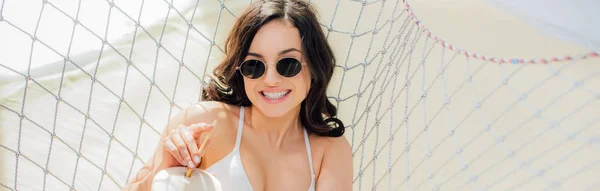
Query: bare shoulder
(327,143)
(334,147)
(208,112)
(336,167)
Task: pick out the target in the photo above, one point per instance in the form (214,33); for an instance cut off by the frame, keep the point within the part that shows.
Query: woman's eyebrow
(289,50)
(280,53)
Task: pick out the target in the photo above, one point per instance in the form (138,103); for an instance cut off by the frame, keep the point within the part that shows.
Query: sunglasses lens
(289,67)
(252,69)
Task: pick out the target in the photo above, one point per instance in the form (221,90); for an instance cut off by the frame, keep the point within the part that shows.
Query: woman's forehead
(276,37)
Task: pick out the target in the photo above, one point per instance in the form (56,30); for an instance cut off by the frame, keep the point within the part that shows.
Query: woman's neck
(276,129)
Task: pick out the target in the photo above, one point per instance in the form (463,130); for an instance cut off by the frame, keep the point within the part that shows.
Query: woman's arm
(336,168)
(200,112)
(143,179)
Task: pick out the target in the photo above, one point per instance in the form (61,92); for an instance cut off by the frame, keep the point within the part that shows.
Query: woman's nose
(272,77)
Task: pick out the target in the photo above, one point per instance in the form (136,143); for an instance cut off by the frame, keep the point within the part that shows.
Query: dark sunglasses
(286,67)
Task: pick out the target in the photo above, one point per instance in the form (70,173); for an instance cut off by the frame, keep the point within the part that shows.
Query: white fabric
(230,170)
(173,179)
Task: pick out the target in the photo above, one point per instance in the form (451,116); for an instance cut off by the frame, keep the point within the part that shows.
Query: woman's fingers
(201,131)
(182,147)
(191,146)
(200,128)
(171,148)
(184,143)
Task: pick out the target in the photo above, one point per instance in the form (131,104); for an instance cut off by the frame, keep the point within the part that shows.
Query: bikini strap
(308,150)
(238,138)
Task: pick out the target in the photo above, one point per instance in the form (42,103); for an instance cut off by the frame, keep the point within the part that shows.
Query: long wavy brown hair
(317,113)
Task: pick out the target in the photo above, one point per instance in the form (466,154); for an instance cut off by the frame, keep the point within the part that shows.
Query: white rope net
(86,87)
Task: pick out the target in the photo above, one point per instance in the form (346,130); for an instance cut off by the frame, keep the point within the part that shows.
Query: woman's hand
(181,145)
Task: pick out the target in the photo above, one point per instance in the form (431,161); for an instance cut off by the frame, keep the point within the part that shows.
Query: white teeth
(275,95)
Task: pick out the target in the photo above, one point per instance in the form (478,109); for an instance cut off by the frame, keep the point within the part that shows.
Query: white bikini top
(230,171)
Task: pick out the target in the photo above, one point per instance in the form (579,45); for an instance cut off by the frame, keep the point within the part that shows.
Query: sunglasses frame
(238,68)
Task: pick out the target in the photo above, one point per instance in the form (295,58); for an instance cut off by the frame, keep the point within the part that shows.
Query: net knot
(541,172)
(111,4)
(75,22)
(523,97)
(1,18)
(577,83)
(474,178)
(537,113)
(465,167)
(524,164)
(555,184)
(45,1)
(500,139)
(511,154)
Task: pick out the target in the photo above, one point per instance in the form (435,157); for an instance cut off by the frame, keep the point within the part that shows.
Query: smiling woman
(277,68)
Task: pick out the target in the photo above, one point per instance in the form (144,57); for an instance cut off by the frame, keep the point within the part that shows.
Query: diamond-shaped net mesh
(86,87)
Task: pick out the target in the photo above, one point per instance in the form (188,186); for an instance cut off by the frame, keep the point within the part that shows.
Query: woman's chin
(274,111)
